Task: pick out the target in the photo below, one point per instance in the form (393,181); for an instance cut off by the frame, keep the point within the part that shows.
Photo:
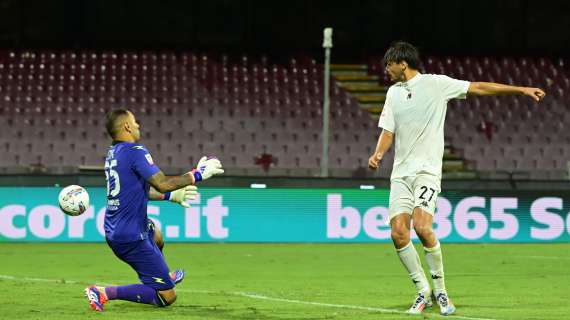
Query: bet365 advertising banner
(295,215)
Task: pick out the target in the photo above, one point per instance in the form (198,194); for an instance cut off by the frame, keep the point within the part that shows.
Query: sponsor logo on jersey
(148,158)
(158,280)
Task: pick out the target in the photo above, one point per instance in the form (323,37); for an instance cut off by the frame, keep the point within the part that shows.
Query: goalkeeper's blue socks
(138,293)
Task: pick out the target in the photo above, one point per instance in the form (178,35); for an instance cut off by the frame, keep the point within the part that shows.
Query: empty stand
(52,107)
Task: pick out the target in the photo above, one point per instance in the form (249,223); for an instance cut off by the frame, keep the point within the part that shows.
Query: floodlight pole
(327,44)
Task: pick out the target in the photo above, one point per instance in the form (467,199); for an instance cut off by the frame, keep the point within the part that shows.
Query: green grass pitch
(288,281)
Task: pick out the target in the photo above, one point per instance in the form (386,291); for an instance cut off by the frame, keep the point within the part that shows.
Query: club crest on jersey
(148,158)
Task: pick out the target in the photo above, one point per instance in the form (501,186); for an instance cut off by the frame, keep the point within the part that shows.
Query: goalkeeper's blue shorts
(146,259)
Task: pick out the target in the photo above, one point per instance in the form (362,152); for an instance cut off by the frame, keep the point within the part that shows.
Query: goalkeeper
(132,179)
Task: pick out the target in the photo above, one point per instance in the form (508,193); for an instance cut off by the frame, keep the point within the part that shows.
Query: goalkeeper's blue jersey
(128,166)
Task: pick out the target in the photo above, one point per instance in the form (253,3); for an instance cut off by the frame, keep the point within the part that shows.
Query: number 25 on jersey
(113,182)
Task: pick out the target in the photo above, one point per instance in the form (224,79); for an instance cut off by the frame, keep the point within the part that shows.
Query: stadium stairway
(365,88)
(371,95)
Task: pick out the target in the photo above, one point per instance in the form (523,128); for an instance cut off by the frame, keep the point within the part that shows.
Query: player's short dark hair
(402,51)
(112,118)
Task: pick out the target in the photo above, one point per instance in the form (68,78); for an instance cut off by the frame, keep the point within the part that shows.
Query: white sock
(435,264)
(411,260)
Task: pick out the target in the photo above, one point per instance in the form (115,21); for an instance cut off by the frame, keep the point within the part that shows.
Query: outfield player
(414,114)
(132,179)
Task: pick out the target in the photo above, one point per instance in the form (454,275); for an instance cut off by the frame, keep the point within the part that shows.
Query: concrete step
(371,102)
(365,87)
(375,108)
(453,165)
(451,156)
(350,70)
(463,174)
(365,94)
(357,78)
(345,83)
(351,73)
(371,98)
(335,67)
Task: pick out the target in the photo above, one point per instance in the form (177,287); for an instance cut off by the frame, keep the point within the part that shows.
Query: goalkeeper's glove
(182,195)
(206,168)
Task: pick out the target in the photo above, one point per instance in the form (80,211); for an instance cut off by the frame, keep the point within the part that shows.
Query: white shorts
(412,192)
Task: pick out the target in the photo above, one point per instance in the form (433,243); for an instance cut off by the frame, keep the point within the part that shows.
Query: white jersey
(415,112)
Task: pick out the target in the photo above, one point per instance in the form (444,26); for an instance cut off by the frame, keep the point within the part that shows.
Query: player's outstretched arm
(155,195)
(207,167)
(162,183)
(493,89)
(384,142)
(180,196)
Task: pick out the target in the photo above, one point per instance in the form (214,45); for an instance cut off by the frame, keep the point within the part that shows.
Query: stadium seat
(55,101)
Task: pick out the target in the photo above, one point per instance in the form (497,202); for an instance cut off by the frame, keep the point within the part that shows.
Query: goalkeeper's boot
(96,296)
(177,275)
(445,305)
(422,301)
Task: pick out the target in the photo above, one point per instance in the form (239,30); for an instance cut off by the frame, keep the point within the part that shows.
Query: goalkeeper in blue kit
(132,180)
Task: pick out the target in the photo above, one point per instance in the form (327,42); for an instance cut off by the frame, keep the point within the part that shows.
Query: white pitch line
(6,277)
(347,306)
(546,257)
(260,297)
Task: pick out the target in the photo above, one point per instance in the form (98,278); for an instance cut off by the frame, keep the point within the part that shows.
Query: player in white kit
(414,114)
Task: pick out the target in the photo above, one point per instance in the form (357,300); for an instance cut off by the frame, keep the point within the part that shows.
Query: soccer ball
(73,200)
